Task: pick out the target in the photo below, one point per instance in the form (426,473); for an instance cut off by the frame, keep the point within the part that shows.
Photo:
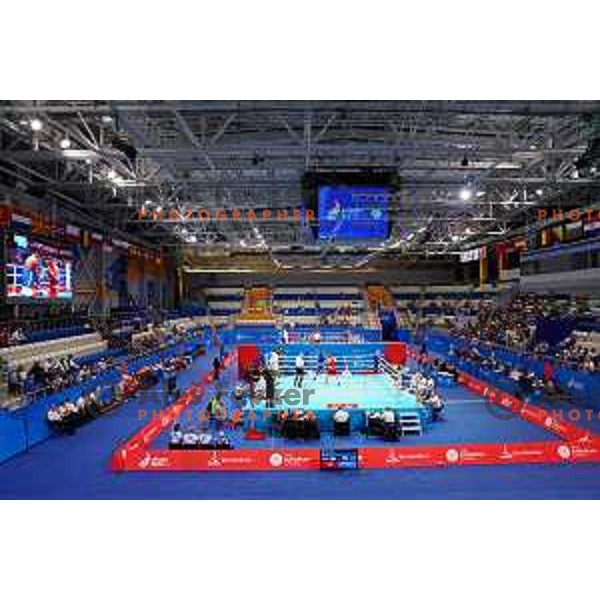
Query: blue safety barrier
(25,427)
(584,388)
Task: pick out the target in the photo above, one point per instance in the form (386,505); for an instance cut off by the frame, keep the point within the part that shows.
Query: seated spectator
(341,416)
(389,416)
(222,442)
(81,404)
(190,440)
(64,417)
(118,392)
(341,422)
(390,429)
(176,437)
(17,337)
(205,440)
(14,382)
(53,415)
(437,405)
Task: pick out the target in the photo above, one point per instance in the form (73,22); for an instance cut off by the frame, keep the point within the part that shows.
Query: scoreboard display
(338,460)
(37,271)
(353,213)
(353,206)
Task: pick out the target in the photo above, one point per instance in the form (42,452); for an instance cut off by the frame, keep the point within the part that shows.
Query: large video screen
(37,271)
(349,213)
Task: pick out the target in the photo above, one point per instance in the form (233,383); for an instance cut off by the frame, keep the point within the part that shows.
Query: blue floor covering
(77,466)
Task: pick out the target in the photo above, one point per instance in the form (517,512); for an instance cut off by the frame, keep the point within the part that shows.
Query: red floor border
(575,446)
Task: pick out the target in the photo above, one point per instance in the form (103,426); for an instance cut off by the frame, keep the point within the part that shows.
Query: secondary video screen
(37,271)
(353,213)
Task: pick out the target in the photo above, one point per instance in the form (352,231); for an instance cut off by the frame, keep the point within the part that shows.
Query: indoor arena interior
(303,299)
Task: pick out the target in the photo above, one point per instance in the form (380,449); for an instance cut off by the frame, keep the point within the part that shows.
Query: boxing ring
(574,444)
(356,394)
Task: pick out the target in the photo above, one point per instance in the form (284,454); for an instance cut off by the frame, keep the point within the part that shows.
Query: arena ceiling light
(65,143)
(465,194)
(36,124)
(77,154)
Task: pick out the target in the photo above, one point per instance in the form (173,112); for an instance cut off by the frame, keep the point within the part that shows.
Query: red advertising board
(223,460)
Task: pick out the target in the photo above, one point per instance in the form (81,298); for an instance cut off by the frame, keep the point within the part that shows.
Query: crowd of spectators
(154,337)
(345,315)
(514,326)
(579,357)
(68,415)
(527,382)
(314,335)
(49,375)
(54,374)
(65,417)
(441,310)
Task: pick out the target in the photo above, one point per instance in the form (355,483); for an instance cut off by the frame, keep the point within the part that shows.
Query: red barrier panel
(395,352)
(392,457)
(248,354)
(145,436)
(577,445)
(479,454)
(536,415)
(223,460)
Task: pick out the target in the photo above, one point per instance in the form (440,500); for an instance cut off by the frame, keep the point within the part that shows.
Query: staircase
(380,297)
(371,318)
(257,307)
(410,423)
(382,306)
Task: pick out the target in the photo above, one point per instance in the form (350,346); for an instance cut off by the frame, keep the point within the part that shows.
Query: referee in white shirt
(300,368)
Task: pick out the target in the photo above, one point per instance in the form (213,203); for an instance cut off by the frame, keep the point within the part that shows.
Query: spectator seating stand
(27,354)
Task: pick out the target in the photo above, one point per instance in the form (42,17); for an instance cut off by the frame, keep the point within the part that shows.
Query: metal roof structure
(469,169)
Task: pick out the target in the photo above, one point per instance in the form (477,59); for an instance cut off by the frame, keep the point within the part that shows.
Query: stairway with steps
(257,307)
(410,423)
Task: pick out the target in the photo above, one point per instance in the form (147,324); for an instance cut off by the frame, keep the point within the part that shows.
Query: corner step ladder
(410,424)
